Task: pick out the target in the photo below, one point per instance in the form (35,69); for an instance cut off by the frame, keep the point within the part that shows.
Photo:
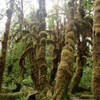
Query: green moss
(43,34)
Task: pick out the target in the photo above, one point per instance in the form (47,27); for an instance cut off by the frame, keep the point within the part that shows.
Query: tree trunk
(41,14)
(56,60)
(96,51)
(65,68)
(5,40)
(80,62)
(41,60)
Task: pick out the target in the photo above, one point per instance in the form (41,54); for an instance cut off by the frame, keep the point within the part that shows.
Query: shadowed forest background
(50,50)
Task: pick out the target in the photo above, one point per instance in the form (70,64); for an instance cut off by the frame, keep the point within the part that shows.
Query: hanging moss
(70,36)
(43,34)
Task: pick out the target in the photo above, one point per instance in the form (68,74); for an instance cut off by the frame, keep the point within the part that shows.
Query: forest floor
(83,96)
(86,95)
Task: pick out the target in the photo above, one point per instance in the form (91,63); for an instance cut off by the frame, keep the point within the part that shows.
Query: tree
(82,48)
(96,50)
(65,68)
(5,40)
(19,7)
(41,14)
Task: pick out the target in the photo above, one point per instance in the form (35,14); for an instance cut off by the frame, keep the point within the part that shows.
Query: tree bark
(41,14)
(96,51)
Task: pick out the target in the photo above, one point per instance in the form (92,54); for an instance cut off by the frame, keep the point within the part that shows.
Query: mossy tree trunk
(65,68)
(50,56)
(56,60)
(80,62)
(5,41)
(34,70)
(41,60)
(81,52)
(39,67)
(96,51)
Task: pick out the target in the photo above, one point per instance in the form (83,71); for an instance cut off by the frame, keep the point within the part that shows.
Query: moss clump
(43,34)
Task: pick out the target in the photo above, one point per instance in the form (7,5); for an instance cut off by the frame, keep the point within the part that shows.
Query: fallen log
(17,95)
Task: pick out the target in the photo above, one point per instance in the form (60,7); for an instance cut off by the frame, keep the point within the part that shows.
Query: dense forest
(50,55)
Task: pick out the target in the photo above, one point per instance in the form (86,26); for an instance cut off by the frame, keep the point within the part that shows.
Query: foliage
(87,75)
(86,79)
(88,6)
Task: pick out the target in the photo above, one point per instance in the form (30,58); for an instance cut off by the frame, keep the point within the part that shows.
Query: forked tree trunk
(65,68)
(96,51)
(5,40)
